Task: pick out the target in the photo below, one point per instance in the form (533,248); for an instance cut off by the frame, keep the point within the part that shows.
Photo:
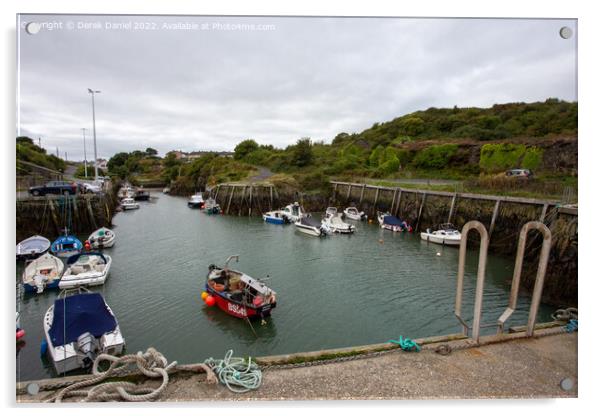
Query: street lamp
(85,157)
(94,130)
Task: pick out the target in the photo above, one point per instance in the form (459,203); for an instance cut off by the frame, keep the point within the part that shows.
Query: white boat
(126,192)
(446,234)
(293,212)
(353,214)
(32,247)
(42,273)
(335,223)
(102,238)
(86,269)
(392,223)
(312,226)
(196,201)
(166,190)
(331,211)
(129,203)
(78,328)
(275,217)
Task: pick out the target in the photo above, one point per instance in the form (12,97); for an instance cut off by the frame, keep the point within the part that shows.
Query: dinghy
(335,223)
(78,328)
(212,207)
(446,234)
(42,273)
(275,217)
(196,201)
(102,238)
(86,269)
(392,223)
(238,294)
(353,214)
(32,247)
(66,246)
(312,226)
(129,203)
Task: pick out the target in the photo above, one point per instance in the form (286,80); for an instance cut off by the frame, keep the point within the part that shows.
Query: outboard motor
(39,280)
(88,347)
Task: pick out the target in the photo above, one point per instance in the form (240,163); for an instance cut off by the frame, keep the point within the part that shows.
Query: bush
(435,157)
(532,158)
(502,156)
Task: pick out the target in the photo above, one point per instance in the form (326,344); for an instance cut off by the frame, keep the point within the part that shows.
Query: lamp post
(85,156)
(94,132)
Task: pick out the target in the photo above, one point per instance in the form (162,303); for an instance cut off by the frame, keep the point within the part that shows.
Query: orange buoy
(210,300)
(204,295)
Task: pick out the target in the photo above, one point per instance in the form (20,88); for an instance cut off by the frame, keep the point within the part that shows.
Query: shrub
(502,156)
(532,158)
(435,157)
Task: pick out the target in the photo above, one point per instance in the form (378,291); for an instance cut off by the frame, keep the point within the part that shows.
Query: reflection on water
(332,292)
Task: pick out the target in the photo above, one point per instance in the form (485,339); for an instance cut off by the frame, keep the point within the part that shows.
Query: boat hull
(33,289)
(238,309)
(141,197)
(440,240)
(313,231)
(273,220)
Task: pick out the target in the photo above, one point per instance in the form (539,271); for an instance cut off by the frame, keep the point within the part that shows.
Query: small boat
(212,207)
(78,328)
(166,190)
(275,217)
(293,212)
(312,226)
(125,192)
(32,247)
(238,294)
(141,195)
(196,201)
(42,273)
(102,238)
(86,269)
(335,223)
(392,223)
(353,214)
(129,203)
(446,234)
(331,211)
(66,246)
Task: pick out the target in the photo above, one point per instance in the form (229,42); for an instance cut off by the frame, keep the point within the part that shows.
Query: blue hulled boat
(66,246)
(275,217)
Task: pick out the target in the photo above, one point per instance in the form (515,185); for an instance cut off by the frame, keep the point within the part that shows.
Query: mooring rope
(237,374)
(406,344)
(151,364)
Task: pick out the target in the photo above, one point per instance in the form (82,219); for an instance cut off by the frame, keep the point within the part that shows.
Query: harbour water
(337,291)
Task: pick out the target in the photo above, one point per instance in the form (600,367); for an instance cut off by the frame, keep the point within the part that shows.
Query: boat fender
(43,348)
(20,333)
(210,301)
(204,295)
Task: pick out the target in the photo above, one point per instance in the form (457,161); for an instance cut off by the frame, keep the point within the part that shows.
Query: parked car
(90,188)
(55,187)
(520,173)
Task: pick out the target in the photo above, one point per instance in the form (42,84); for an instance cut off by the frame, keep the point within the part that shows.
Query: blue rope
(406,344)
(571,326)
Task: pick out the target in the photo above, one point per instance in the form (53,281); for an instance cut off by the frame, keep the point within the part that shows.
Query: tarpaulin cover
(391,220)
(78,314)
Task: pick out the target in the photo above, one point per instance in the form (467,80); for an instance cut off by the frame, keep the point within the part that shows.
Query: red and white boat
(238,294)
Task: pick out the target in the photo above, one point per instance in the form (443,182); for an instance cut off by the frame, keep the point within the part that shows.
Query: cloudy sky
(206,83)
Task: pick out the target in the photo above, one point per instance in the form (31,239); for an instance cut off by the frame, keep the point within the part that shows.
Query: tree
(244,148)
(150,151)
(302,153)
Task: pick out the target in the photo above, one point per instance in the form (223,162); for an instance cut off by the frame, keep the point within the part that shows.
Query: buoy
(438,253)
(204,295)
(43,348)
(20,333)
(210,300)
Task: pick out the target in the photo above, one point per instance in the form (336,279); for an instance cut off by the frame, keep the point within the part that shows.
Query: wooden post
(53,214)
(334,192)
(91,212)
(543,213)
(420,211)
(393,201)
(375,200)
(230,200)
(494,217)
(451,208)
(348,192)
(217,193)
(242,198)
(362,193)
(399,195)
(250,199)
(271,197)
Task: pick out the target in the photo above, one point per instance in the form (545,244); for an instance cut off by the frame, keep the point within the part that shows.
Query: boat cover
(66,241)
(74,258)
(312,222)
(85,312)
(391,220)
(258,286)
(35,244)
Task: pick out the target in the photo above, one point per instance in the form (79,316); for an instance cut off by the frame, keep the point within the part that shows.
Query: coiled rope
(151,364)
(237,374)
(565,314)
(406,344)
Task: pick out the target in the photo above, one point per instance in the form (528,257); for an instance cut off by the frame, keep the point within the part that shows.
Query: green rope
(238,374)
(406,344)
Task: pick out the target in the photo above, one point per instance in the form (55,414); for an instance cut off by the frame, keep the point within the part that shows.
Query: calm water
(333,292)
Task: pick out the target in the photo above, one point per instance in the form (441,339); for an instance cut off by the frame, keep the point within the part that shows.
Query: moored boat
(32,247)
(42,273)
(352,213)
(445,234)
(102,238)
(196,201)
(275,217)
(312,226)
(392,223)
(238,294)
(166,190)
(129,203)
(78,328)
(66,246)
(293,212)
(212,207)
(141,195)
(331,211)
(86,269)
(335,223)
